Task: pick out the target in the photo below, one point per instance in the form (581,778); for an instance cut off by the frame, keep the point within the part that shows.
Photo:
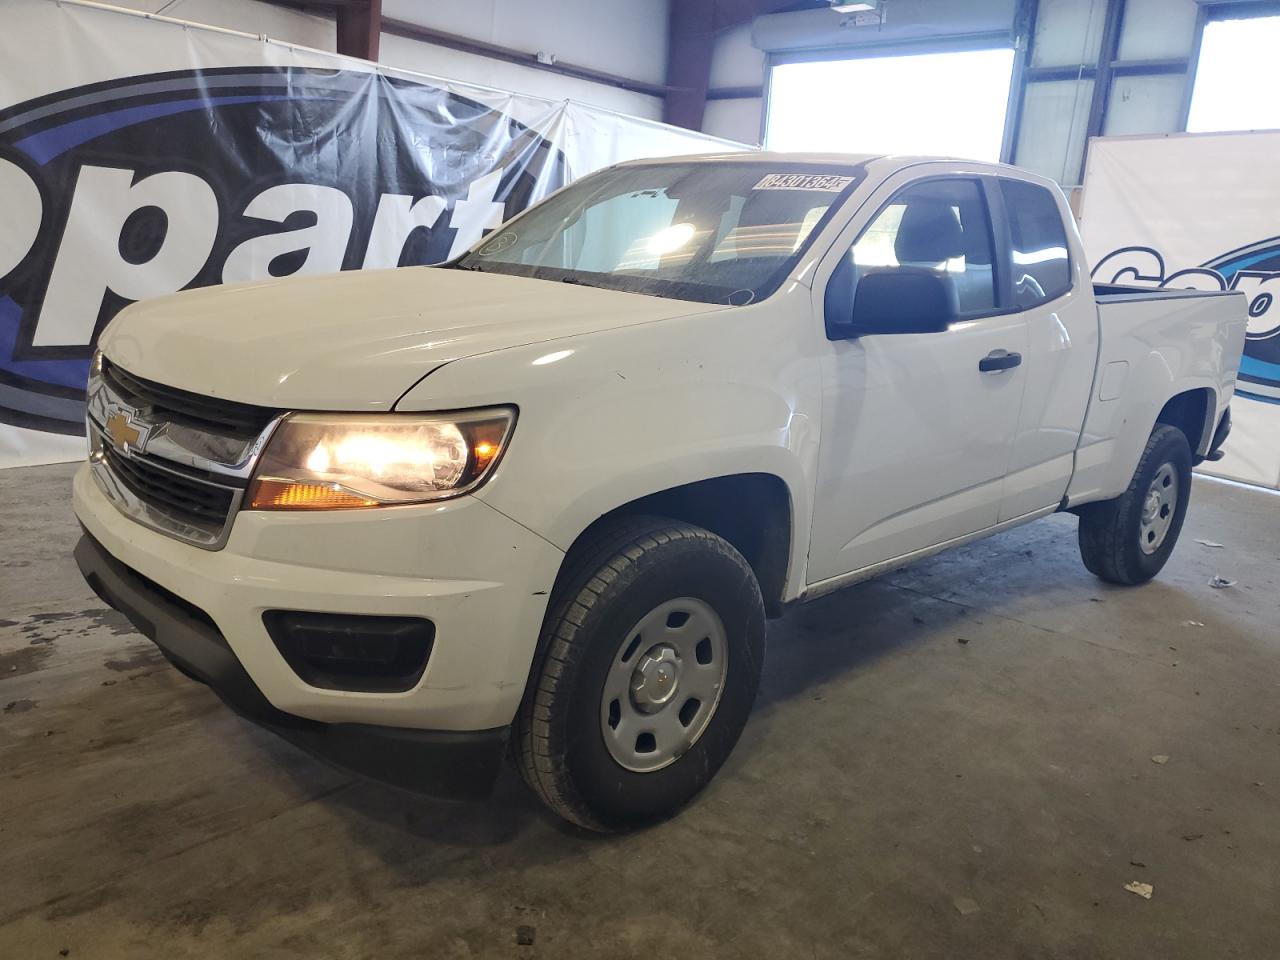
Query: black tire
(1110,532)
(610,583)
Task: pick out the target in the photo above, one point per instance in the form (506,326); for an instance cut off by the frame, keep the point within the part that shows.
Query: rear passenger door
(1054,295)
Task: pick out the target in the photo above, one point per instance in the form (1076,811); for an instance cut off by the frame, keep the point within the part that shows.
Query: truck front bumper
(461,765)
(480,578)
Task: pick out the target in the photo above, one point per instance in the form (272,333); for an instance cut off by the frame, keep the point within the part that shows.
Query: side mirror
(904,300)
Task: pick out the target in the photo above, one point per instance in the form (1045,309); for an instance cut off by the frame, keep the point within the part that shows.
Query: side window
(1041,264)
(939,224)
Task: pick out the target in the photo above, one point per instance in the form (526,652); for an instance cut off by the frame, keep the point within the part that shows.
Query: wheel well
(752,511)
(1189,412)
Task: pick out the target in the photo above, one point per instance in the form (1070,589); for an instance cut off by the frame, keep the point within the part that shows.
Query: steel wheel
(1158,508)
(621,620)
(1129,538)
(664,685)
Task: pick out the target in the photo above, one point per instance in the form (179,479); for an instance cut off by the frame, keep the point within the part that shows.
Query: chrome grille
(170,403)
(175,461)
(196,501)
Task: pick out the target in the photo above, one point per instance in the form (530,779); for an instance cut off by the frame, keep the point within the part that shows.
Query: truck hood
(357,340)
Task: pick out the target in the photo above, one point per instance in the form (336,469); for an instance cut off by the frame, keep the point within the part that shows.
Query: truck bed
(1154,343)
(1105,293)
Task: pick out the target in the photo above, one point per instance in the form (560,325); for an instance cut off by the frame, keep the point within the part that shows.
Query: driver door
(916,439)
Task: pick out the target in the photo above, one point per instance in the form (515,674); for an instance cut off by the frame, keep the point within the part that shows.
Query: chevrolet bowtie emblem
(123,434)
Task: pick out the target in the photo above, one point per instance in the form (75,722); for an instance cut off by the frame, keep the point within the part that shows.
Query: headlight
(333,461)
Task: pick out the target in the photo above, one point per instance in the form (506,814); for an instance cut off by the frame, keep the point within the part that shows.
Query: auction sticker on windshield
(803,181)
(503,241)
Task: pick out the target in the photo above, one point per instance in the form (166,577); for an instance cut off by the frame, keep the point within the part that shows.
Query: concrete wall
(627,38)
(623,37)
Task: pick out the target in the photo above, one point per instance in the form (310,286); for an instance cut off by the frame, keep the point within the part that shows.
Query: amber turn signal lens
(270,493)
(486,444)
(485,452)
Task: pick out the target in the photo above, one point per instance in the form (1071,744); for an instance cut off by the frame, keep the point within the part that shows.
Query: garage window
(1237,76)
(941,104)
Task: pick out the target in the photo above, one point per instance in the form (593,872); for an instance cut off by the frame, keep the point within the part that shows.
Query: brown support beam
(691,39)
(359,29)
(754,92)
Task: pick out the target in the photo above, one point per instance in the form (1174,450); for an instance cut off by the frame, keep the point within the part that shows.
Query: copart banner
(1200,211)
(140,156)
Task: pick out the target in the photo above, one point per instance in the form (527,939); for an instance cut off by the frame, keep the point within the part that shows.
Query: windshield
(715,233)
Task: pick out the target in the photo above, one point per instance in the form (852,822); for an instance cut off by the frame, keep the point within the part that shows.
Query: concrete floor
(952,762)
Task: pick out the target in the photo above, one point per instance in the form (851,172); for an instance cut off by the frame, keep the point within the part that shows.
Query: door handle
(998,360)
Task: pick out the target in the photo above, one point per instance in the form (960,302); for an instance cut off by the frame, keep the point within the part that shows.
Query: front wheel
(650,661)
(1128,540)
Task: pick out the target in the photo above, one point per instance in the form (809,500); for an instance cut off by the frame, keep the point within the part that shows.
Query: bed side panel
(1153,348)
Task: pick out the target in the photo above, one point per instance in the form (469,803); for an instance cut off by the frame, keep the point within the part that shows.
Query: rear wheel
(1128,540)
(650,661)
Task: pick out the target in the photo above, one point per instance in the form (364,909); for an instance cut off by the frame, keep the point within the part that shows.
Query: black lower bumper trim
(442,763)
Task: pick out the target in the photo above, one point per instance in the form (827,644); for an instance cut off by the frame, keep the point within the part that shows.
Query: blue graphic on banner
(98,173)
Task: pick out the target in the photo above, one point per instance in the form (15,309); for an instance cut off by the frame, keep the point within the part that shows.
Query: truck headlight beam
(332,461)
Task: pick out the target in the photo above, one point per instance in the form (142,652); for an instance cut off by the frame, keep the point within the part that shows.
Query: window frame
(1007,253)
(998,234)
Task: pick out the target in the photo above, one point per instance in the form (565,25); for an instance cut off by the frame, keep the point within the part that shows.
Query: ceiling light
(840,7)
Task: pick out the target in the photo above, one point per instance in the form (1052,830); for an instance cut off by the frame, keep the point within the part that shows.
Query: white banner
(140,156)
(1200,211)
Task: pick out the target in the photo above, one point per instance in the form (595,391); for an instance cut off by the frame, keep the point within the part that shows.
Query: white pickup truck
(542,498)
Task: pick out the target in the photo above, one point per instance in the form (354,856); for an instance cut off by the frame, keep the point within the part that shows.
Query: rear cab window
(1041,259)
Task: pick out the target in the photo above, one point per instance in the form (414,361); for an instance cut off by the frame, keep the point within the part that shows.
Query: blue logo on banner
(128,189)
